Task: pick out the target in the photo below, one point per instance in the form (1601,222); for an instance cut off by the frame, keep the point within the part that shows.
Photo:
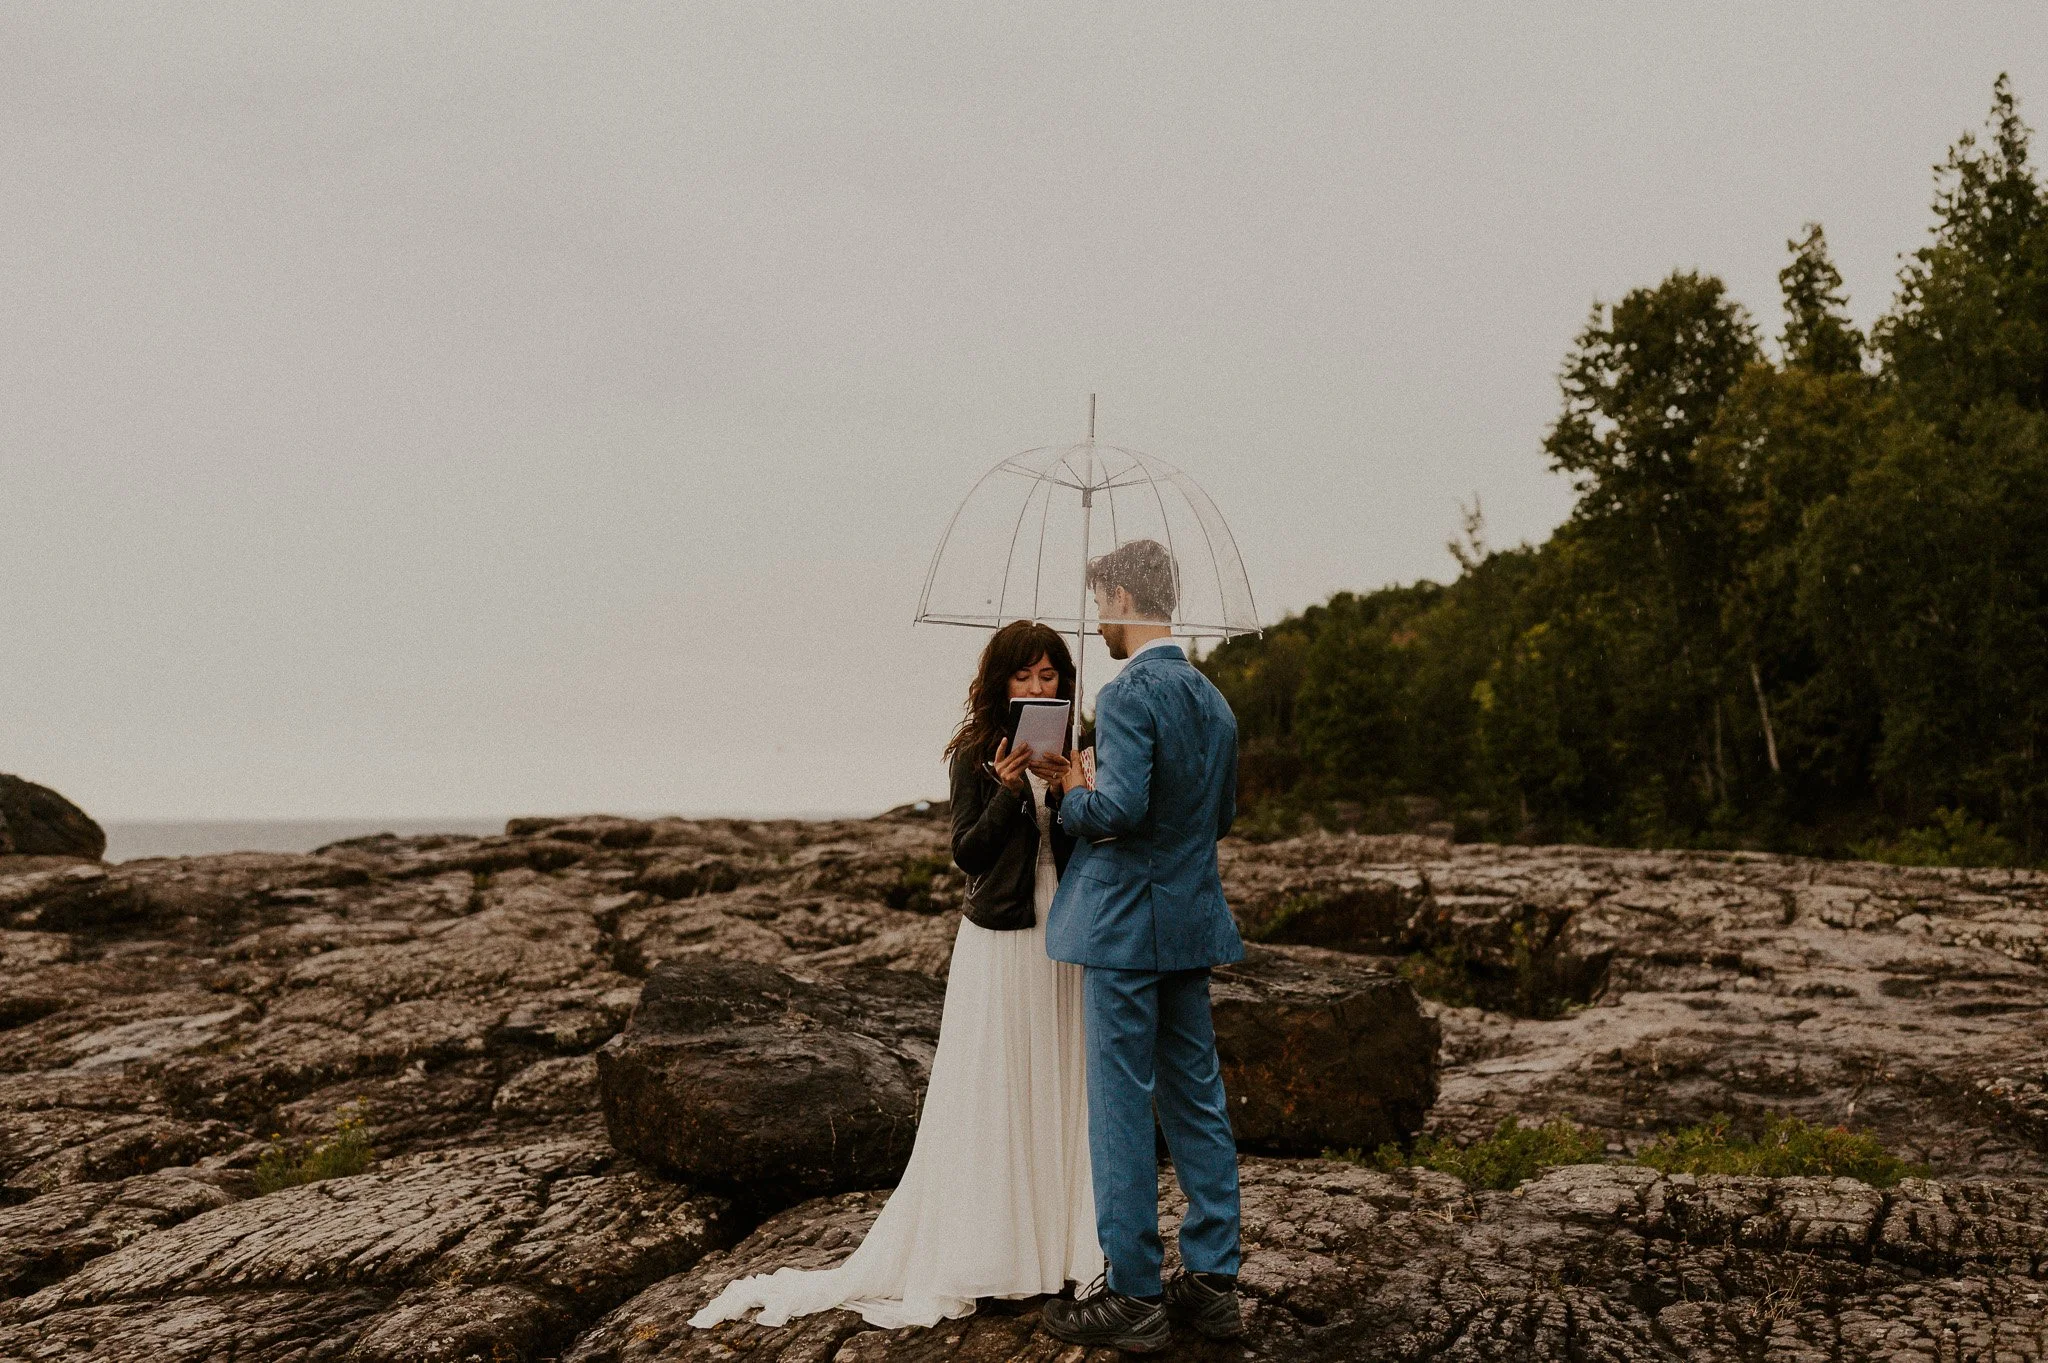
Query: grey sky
(509,408)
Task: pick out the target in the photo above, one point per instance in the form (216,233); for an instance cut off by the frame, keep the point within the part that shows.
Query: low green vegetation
(914,883)
(1443,973)
(1950,838)
(1800,603)
(288,1164)
(1511,1155)
(1529,985)
(1275,929)
(1787,1146)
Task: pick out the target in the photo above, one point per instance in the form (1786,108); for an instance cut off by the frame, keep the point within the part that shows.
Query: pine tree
(1818,334)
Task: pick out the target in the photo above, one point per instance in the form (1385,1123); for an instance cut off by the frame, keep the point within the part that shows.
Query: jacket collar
(1157,649)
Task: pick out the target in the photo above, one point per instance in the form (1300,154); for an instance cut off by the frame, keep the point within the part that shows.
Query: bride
(996,1201)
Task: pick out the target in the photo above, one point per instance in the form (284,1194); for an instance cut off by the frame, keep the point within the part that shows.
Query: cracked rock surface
(161,1021)
(1586,1262)
(1637,991)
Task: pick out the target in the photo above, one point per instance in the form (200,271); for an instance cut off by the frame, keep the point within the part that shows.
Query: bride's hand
(1050,768)
(1009,766)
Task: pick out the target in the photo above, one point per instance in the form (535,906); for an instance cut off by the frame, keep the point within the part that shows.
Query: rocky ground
(161,1022)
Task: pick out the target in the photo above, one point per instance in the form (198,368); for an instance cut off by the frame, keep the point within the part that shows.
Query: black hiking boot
(1107,1319)
(1207,1301)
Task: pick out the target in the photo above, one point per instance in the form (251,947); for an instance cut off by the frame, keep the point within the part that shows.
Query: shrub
(1511,1155)
(916,879)
(1285,915)
(286,1165)
(1953,838)
(1788,1146)
(1273,819)
(1443,973)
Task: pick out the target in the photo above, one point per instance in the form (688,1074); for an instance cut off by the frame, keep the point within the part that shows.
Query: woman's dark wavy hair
(1015,647)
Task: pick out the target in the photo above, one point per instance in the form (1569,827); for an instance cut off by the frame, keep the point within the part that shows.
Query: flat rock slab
(44,1240)
(500,1253)
(739,1076)
(1587,1262)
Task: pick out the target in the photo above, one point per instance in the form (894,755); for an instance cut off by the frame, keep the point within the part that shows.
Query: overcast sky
(484,409)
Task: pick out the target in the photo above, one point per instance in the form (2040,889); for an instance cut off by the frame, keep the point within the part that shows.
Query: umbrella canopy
(1019,545)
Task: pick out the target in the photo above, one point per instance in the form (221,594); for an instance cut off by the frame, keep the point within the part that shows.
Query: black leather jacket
(995,841)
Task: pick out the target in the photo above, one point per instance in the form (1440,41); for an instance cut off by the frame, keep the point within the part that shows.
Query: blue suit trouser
(1151,1043)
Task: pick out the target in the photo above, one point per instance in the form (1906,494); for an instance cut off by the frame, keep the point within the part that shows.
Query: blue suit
(1141,906)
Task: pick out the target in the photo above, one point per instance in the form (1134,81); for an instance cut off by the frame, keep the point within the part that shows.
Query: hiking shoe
(1109,1319)
(1207,1301)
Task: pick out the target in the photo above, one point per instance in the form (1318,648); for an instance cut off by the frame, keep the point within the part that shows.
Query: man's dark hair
(1146,570)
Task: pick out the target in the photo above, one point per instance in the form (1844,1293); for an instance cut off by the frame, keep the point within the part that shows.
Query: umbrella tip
(1091,416)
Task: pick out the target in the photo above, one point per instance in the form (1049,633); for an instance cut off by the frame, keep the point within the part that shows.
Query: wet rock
(746,1077)
(510,1246)
(36,821)
(450,991)
(67,896)
(67,1127)
(655,1324)
(740,1076)
(1321,1051)
(561,1087)
(44,1240)
(1638,991)
(1587,1262)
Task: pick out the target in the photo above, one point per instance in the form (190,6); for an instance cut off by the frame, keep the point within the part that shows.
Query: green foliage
(1970,325)
(914,881)
(286,1165)
(1953,838)
(1442,973)
(1802,601)
(1818,335)
(1787,1147)
(1527,986)
(1511,1155)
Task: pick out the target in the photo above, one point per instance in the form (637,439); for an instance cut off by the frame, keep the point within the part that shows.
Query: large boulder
(740,1076)
(1320,1051)
(36,821)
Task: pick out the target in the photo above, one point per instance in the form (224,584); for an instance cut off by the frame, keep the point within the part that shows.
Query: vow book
(1040,725)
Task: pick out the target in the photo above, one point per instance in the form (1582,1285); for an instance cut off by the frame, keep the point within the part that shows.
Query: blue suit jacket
(1141,891)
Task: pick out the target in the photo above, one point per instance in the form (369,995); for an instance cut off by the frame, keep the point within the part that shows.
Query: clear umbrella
(1018,546)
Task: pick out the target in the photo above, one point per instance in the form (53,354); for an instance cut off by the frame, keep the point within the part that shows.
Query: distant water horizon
(135,839)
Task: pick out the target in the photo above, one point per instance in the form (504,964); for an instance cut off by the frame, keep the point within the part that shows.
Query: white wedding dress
(996,1201)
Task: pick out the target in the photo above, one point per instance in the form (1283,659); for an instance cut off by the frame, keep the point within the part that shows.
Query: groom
(1141,906)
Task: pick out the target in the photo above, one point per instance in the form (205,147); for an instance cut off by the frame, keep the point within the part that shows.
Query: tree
(1818,335)
(1929,575)
(1641,386)
(1799,604)
(1971,320)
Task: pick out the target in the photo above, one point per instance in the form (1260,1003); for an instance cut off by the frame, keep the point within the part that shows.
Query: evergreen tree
(1818,335)
(1971,320)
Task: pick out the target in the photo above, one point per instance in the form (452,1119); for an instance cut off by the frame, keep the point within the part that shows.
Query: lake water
(130,840)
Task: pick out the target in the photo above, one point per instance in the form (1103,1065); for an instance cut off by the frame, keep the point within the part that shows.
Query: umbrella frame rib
(1139,472)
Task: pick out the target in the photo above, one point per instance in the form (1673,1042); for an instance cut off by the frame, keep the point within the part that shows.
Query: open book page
(1042,728)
